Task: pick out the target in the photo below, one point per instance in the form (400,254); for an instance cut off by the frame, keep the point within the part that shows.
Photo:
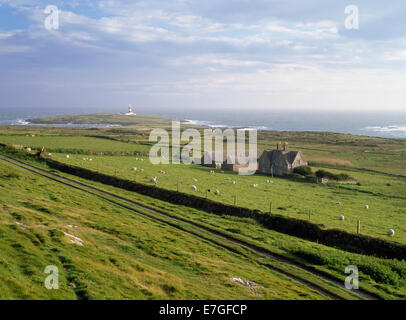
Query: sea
(386,124)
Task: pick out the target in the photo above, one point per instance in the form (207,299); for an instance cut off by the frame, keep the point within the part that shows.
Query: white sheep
(255,185)
(161,172)
(233,182)
(194,179)
(228,178)
(366,206)
(217,192)
(84,159)
(269,181)
(211,171)
(134,169)
(67,156)
(341,218)
(194,188)
(391,232)
(28,149)
(338,203)
(153,180)
(90,159)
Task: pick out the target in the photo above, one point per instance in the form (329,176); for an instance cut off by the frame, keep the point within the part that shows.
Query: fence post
(270,208)
(358,227)
(310,214)
(177,186)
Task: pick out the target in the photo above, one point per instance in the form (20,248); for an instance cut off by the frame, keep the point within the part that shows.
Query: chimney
(285,146)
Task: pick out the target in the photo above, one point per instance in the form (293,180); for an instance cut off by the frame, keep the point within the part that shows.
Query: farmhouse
(280,161)
(221,160)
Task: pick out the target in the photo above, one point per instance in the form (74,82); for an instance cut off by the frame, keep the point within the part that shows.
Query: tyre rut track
(276,257)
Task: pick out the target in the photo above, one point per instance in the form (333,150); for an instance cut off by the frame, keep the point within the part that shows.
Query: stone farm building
(222,161)
(280,161)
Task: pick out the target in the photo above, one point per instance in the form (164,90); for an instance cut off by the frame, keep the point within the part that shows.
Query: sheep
(153,180)
(338,203)
(366,206)
(136,159)
(228,178)
(341,218)
(269,181)
(217,192)
(391,232)
(162,172)
(233,182)
(28,149)
(90,159)
(50,154)
(84,159)
(255,185)
(194,188)
(134,169)
(194,179)
(211,171)
(67,156)
(142,170)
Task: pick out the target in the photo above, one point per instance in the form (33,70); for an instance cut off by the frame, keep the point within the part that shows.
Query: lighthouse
(130,111)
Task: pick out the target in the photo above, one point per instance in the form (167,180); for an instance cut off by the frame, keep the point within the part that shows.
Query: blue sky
(258,54)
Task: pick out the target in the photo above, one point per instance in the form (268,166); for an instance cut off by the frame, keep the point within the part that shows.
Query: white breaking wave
(401,128)
(394,131)
(212,125)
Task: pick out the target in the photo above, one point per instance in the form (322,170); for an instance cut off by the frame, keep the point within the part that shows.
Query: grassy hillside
(123,256)
(378,164)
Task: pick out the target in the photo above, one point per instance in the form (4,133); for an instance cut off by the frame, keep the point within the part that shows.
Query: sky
(211,54)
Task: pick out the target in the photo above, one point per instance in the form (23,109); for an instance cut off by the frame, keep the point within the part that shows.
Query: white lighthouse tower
(130,111)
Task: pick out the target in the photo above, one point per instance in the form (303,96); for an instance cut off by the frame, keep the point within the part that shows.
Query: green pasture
(290,197)
(124,256)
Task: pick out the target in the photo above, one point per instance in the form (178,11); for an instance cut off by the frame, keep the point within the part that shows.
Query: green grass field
(123,256)
(376,163)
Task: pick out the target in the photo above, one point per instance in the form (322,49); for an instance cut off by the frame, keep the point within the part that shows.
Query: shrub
(331,176)
(303,170)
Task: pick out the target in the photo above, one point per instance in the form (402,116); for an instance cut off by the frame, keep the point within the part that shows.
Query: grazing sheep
(136,159)
(28,149)
(90,159)
(366,206)
(84,159)
(341,218)
(217,192)
(233,182)
(162,172)
(194,188)
(67,156)
(194,179)
(134,169)
(338,203)
(269,181)
(211,171)
(153,180)
(255,185)
(50,154)
(228,178)
(391,232)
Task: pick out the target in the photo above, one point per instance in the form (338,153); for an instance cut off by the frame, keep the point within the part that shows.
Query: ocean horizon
(365,123)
